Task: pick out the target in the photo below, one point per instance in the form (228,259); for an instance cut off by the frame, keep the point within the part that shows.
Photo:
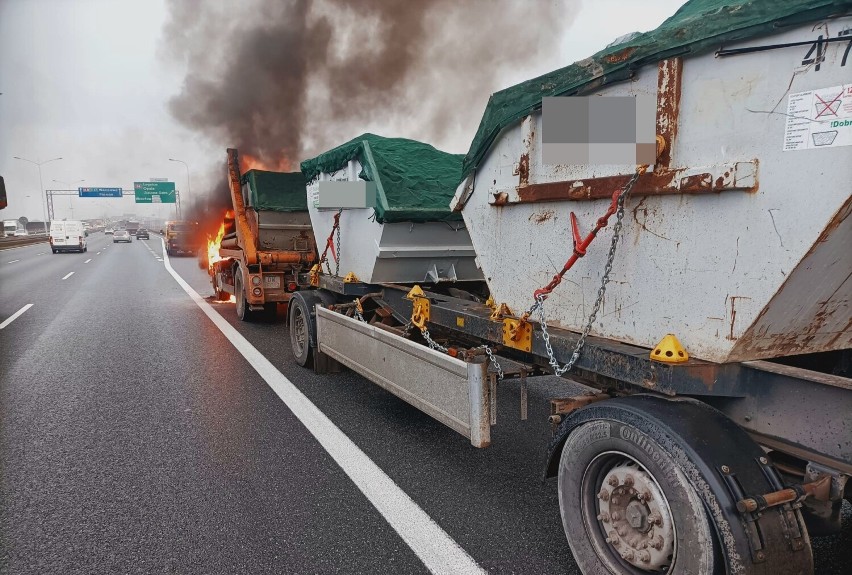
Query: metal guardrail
(14,242)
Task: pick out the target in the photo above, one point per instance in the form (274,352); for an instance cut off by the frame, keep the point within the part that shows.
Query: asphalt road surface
(136,438)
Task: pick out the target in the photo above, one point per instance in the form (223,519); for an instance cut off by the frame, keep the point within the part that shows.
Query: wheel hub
(636,518)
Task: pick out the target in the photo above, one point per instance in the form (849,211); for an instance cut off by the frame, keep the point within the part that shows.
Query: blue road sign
(99,192)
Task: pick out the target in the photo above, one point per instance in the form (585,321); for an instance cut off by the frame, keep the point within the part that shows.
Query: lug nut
(603,517)
(616,516)
(657,542)
(646,495)
(613,539)
(628,554)
(628,480)
(655,519)
(644,557)
(616,500)
(603,495)
(613,480)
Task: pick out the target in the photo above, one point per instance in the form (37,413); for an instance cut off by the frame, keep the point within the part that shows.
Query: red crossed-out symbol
(827,106)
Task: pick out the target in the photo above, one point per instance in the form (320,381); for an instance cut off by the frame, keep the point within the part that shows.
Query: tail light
(257,291)
(292,286)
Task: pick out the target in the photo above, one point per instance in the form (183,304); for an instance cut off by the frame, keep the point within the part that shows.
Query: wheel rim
(300,331)
(627,516)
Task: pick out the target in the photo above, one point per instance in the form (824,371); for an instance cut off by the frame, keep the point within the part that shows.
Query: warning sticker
(819,119)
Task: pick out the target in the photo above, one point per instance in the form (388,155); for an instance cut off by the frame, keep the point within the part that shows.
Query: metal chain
(539,304)
(337,261)
(358,313)
(494,361)
(432,343)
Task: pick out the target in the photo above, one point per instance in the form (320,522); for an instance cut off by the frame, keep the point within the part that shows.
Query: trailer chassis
(780,437)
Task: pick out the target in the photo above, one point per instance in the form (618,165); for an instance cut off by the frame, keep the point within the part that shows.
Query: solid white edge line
(15,315)
(433,546)
(68,276)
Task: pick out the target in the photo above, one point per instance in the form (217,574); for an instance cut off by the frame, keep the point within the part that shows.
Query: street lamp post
(70,198)
(41,185)
(188,188)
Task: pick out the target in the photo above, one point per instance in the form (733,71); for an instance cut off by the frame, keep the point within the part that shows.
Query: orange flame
(213,244)
(249,162)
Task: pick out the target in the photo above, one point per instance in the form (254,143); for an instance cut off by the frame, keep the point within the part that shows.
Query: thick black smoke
(285,80)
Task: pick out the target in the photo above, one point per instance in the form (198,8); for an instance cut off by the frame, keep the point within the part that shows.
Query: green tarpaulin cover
(276,191)
(699,26)
(414,181)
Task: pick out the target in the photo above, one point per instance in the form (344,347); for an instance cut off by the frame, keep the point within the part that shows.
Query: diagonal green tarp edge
(276,191)
(698,26)
(415,181)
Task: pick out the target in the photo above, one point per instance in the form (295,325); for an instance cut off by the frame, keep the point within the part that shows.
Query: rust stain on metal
(500,199)
(656,183)
(669,76)
(621,55)
(824,326)
(524,170)
(733,299)
(599,188)
(703,182)
(542,216)
(567,405)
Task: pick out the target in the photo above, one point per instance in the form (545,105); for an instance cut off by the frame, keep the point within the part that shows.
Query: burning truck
(263,242)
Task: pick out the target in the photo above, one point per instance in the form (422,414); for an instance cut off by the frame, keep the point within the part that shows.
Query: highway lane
(33,275)
(135,440)
(194,465)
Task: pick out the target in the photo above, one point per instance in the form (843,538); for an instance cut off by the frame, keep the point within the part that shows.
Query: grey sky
(89,80)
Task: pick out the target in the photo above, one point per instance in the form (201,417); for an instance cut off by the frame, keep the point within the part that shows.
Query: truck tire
(243,311)
(301,329)
(642,490)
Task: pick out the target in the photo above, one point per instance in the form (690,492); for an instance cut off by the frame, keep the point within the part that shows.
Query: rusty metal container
(738,240)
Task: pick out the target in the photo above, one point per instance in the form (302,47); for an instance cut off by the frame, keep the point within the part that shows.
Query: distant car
(143,233)
(121,236)
(21,233)
(108,231)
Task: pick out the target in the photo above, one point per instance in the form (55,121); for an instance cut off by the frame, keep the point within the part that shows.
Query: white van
(67,236)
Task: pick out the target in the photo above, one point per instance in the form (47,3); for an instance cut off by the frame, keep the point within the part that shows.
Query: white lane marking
(87,261)
(41,254)
(435,548)
(13,261)
(97,254)
(68,276)
(15,315)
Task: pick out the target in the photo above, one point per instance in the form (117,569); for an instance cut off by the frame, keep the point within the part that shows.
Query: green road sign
(154,192)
